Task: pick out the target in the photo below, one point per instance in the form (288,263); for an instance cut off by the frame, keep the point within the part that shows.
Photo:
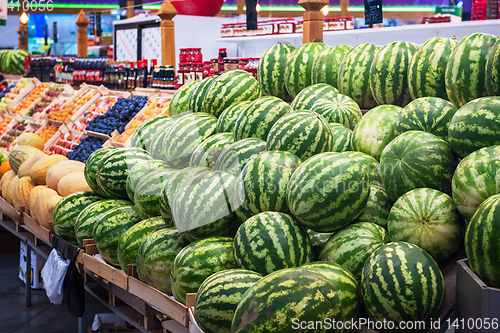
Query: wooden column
(344,7)
(240,5)
(130,8)
(23,37)
(82,40)
(313,20)
(167,12)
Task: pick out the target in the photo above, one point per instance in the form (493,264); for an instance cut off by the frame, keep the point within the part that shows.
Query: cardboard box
(37,262)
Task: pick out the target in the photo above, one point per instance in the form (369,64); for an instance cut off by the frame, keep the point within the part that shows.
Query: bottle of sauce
(222,56)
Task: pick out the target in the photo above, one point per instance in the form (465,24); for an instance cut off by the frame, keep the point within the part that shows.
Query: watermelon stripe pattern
(340,109)
(198,94)
(208,151)
(180,100)
(307,97)
(156,149)
(90,170)
(148,192)
(227,120)
(377,208)
(138,172)
(271,70)
(493,70)
(318,241)
(147,131)
(326,64)
(234,157)
(370,163)
(342,137)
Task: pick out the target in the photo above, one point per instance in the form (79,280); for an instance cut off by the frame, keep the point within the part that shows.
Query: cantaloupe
(61,169)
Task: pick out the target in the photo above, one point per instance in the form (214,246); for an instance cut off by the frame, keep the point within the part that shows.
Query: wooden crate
(10,211)
(109,273)
(39,231)
(34,82)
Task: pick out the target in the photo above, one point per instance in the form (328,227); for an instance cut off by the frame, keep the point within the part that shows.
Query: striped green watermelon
(481,242)
(375,130)
(307,97)
(402,283)
(466,69)
(218,297)
(340,109)
(493,70)
(172,186)
(354,75)
(208,151)
(277,235)
(228,118)
(389,73)
(90,215)
(157,145)
(272,68)
(326,64)
(110,228)
(370,163)
(344,282)
(417,159)
(352,245)
(427,114)
(185,135)
(256,120)
(318,241)
(377,208)
(148,191)
(475,125)
(197,261)
(426,75)
(198,94)
(279,302)
(144,135)
(131,240)
(156,255)
(90,170)
(234,157)
(303,133)
(66,212)
(328,191)
(113,170)
(203,206)
(180,100)
(261,185)
(299,67)
(140,170)
(476,179)
(231,88)
(342,137)
(427,218)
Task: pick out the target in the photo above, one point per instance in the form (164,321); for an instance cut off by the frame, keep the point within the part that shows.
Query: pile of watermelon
(12,61)
(271,211)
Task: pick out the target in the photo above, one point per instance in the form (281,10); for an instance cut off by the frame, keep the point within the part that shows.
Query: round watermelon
(271,70)
(307,97)
(148,191)
(377,208)
(235,156)
(90,170)
(198,94)
(326,64)
(339,109)
(180,100)
(227,119)
(144,134)
(138,172)
(208,151)
(493,70)
(342,137)
(368,162)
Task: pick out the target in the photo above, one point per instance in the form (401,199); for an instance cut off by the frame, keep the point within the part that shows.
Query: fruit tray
(15,128)
(55,93)
(29,99)
(63,142)
(22,92)
(85,97)
(40,119)
(47,131)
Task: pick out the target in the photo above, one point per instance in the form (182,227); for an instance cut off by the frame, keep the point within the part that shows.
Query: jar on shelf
(215,67)
(183,55)
(197,56)
(349,22)
(198,71)
(253,66)
(232,64)
(244,63)
(181,75)
(206,69)
(299,27)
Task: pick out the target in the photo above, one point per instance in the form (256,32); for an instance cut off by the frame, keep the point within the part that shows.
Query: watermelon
(113,170)
(109,229)
(428,114)
(377,208)
(270,241)
(231,88)
(172,186)
(157,145)
(208,151)
(426,75)
(493,70)
(218,297)
(328,191)
(131,240)
(271,70)
(466,69)
(389,73)
(303,133)
(417,159)
(427,218)
(299,67)
(307,97)
(156,255)
(481,242)
(401,283)
(144,135)
(198,94)
(90,215)
(258,118)
(340,109)
(318,241)
(203,206)
(261,186)
(234,157)
(227,119)
(140,170)
(279,302)
(180,100)
(352,245)
(148,191)
(375,130)
(90,170)
(344,282)
(66,212)
(475,125)
(326,64)
(342,137)
(476,179)
(370,163)
(197,261)
(185,135)
(354,75)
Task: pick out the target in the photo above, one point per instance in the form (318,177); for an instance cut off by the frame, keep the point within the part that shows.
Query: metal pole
(81,324)
(27,294)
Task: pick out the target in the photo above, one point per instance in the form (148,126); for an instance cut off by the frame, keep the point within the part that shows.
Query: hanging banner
(3,12)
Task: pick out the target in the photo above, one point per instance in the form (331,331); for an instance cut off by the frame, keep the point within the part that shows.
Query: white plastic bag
(53,274)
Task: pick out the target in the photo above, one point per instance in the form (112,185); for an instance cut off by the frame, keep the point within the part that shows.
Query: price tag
(373,12)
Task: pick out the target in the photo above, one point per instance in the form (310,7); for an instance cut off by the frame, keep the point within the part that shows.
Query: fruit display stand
(16,127)
(33,83)
(40,232)
(53,95)
(61,140)
(9,210)
(30,100)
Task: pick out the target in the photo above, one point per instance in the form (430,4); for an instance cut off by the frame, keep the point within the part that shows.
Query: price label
(373,12)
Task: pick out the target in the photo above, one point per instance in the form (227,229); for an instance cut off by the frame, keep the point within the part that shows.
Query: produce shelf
(10,211)
(40,232)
